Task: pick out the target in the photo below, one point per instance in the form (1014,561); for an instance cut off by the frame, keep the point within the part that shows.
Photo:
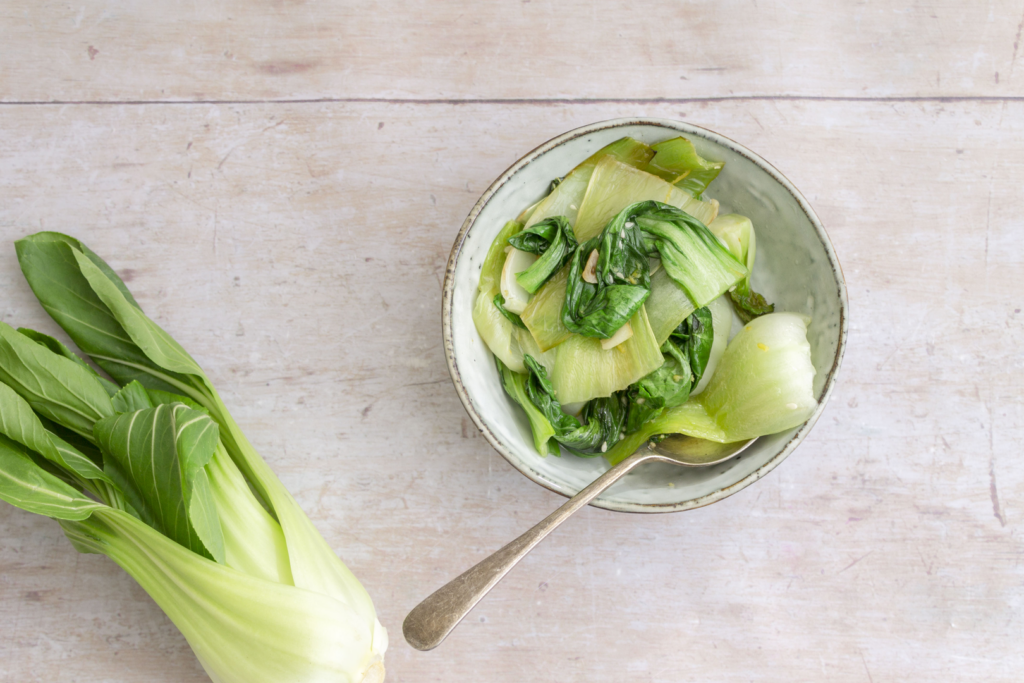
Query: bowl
(796,269)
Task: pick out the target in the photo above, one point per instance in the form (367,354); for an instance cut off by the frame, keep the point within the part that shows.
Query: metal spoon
(432,620)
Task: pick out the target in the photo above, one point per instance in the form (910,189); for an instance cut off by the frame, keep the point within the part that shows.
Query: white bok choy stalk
(763,385)
(215,537)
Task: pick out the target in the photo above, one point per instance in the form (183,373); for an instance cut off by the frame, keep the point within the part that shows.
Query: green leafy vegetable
(598,309)
(600,424)
(583,370)
(499,303)
(695,335)
(540,426)
(567,198)
(749,304)
(690,253)
(255,589)
(763,385)
(553,240)
(159,455)
(56,387)
(543,314)
(667,386)
(687,352)
(667,306)
(721,324)
(60,349)
(764,382)
(690,418)
(738,234)
(614,186)
(678,162)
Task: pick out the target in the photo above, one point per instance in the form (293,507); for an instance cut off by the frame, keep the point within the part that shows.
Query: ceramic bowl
(796,269)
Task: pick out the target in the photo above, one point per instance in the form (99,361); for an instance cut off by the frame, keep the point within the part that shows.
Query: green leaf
(614,186)
(553,240)
(515,386)
(157,397)
(678,162)
(19,423)
(667,306)
(689,418)
(599,309)
(737,232)
(25,485)
(695,336)
(132,397)
(159,347)
(499,303)
(543,314)
(748,304)
(54,386)
(666,387)
(690,253)
(583,370)
(50,263)
(567,198)
(159,454)
(600,423)
(60,349)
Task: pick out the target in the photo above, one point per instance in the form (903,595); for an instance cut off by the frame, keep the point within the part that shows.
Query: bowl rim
(672,126)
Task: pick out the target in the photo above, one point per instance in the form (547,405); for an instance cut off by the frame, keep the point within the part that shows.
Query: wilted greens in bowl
(609,305)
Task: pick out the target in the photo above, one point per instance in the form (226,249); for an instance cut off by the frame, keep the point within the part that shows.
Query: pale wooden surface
(296,248)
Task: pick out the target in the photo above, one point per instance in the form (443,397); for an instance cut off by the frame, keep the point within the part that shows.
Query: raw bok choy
(151,470)
(623,285)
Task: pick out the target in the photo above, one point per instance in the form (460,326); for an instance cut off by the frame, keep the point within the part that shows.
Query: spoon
(432,620)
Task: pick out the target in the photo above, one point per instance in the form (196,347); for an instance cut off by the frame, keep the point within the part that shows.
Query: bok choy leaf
(600,424)
(763,385)
(690,254)
(678,162)
(737,232)
(553,240)
(173,455)
(687,351)
(159,455)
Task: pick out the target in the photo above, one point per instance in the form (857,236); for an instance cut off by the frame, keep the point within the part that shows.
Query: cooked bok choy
(625,280)
(152,471)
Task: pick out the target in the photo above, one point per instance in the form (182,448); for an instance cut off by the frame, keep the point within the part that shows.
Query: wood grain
(96,50)
(297,251)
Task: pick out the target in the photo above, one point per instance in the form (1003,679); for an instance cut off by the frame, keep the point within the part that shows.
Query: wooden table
(280,183)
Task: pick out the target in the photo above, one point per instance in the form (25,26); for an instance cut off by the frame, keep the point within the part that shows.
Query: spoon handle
(432,620)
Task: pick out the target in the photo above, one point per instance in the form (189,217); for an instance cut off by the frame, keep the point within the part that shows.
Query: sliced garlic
(590,270)
(621,335)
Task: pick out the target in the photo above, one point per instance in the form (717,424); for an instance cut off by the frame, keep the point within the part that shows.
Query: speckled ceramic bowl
(796,269)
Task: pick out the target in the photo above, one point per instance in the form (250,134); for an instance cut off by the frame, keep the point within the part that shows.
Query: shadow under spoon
(430,622)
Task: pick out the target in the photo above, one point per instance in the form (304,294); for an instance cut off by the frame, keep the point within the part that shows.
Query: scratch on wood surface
(866,669)
(993,489)
(854,562)
(285,67)
(1016,43)
(988,228)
